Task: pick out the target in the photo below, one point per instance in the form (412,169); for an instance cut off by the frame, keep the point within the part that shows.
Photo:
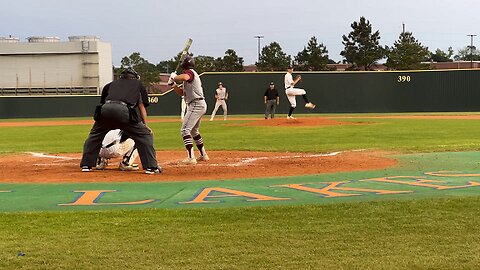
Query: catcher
(292,92)
(116,144)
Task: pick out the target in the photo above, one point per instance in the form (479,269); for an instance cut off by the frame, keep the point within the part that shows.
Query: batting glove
(171,80)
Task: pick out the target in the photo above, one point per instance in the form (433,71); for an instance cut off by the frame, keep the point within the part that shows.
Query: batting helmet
(188,62)
(129,73)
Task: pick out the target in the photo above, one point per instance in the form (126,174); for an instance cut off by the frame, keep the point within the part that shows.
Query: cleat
(86,169)
(310,105)
(189,161)
(102,164)
(291,117)
(126,167)
(153,170)
(203,158)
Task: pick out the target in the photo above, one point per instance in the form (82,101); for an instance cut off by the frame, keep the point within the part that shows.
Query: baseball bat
(184,53)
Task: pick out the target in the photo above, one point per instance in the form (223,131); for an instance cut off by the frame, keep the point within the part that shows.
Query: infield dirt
(64,168)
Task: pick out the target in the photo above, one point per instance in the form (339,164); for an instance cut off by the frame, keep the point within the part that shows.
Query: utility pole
(471,49)
(258,38)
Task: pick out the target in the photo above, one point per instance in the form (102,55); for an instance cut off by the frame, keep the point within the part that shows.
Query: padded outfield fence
(333,92)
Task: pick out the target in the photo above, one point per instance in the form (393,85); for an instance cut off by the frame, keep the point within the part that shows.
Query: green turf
(459,177)
(404,135)
(433,233)
(418,234)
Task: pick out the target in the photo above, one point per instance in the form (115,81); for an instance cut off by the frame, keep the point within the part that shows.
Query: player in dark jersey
(118,110)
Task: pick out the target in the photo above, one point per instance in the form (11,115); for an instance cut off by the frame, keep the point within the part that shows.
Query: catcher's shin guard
(130,157)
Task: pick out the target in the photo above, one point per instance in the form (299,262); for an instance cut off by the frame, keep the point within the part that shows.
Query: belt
(115,102)
(195,99)
(110,144)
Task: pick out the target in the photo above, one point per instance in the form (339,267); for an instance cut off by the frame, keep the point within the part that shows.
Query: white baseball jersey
(288,80)
(221,93)
(112,147)
(192,89)
(291,90)
(111,144)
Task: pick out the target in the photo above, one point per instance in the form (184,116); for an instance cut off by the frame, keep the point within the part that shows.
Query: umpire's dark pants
(270,108)
(115,116)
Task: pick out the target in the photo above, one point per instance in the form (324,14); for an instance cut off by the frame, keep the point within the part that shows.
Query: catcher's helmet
(129,73)
(188,62)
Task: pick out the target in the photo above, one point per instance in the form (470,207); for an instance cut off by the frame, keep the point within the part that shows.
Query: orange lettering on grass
(206,194)
(90,198)
(452,174)
(419,182)
(328,193)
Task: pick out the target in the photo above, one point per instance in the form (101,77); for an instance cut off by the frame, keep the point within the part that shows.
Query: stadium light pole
(258,38)
(471,49)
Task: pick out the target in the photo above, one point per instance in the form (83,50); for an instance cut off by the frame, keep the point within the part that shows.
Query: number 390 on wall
(403,78)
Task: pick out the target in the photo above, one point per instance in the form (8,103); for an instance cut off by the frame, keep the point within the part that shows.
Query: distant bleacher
(89,90)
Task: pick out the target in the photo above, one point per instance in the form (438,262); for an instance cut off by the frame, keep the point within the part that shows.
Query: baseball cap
(289,67)
(271,83)
(220,83)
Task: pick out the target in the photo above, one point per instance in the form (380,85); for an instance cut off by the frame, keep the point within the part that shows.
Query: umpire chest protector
(126,90)
(120,98)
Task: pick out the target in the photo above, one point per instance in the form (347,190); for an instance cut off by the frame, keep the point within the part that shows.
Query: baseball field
(324,191)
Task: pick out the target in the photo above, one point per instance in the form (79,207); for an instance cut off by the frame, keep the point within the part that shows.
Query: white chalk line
(247,161)
(42,155)
(242,162)
(55,162)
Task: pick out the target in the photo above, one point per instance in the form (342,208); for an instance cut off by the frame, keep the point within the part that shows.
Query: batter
(192,92)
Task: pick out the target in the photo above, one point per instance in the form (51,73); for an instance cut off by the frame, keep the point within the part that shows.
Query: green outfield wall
(333,92)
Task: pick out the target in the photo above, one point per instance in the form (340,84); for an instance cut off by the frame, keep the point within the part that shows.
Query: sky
(158,29)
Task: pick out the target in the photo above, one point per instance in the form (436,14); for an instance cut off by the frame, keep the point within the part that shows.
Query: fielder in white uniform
(221,95)
(117,144)
(192,92)
(292,92)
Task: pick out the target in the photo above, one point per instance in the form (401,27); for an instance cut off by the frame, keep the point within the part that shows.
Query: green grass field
(428,233)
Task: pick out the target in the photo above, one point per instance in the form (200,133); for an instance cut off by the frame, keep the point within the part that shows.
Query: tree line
(362,51)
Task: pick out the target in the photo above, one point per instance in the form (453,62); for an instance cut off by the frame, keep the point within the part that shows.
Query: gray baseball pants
(117,116)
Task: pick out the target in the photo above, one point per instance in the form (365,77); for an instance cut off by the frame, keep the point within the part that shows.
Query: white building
(48,66)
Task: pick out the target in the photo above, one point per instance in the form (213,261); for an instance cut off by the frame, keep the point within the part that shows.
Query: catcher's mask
(188,62)
(129,73)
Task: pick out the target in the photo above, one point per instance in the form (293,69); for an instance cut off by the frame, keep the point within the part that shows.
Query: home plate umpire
(118,110)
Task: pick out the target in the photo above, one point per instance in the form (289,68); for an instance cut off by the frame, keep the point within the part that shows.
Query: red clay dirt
(279,121)
(64,168)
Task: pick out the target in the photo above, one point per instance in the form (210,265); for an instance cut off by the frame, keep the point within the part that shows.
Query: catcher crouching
(117,144)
